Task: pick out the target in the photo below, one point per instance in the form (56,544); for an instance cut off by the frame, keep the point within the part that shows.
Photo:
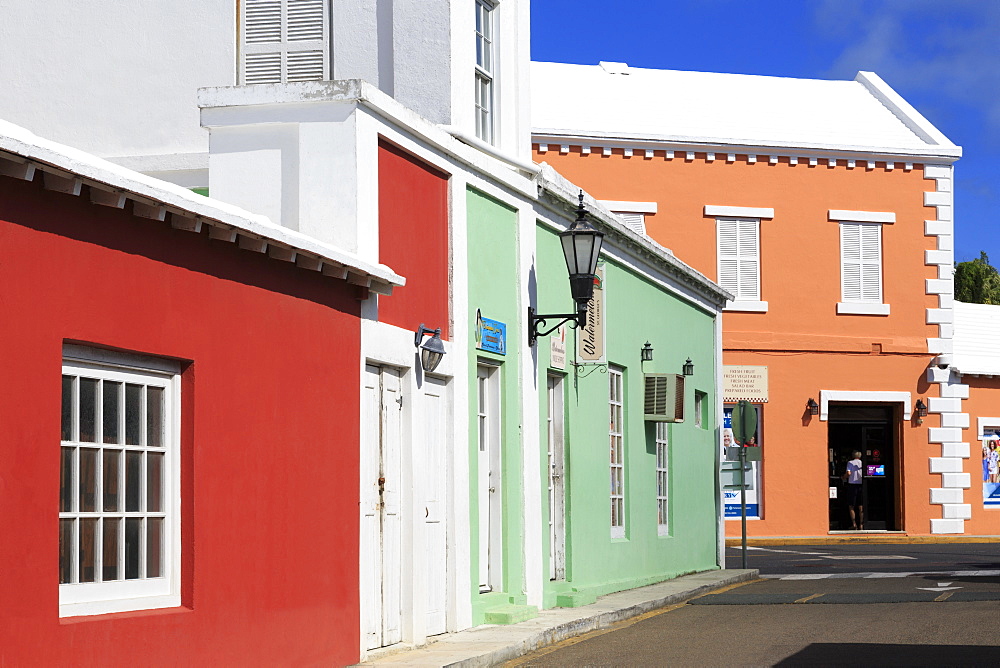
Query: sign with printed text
(744,383)
(491,335)
(590,338)
(557,348)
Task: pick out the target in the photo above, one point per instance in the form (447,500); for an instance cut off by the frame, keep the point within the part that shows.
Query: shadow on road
(860,654)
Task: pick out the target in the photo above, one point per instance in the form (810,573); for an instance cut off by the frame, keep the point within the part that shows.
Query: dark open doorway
(868,429)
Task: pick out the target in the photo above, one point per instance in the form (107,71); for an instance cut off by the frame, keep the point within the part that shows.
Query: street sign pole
(744,421)
(743,501)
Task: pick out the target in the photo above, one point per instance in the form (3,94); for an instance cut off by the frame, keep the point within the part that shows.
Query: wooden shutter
(861,262)
(739,257)
(284,41)
(633,221)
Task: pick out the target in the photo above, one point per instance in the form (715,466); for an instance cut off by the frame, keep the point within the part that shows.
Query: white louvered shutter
(861,262)
(284,41)
(633,221)
(739,257)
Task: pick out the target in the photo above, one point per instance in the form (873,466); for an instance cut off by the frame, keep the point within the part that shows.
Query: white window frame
(485,71)
(632,214)
(120,595)
(749,213)
(859,222)
(280,53)
(616,437)
(662,479)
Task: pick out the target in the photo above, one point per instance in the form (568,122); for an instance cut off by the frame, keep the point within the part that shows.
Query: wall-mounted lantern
(431,350)
(812,406)
(921,410)
(646,352)
(581,245)
(688,368)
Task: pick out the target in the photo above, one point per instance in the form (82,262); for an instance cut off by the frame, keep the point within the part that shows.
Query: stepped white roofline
(692,110)
(66,169)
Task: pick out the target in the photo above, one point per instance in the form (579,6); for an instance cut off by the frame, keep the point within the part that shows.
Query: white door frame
(490,493)
(556,477)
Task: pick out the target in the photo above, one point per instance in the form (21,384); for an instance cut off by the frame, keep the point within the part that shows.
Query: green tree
(977,281)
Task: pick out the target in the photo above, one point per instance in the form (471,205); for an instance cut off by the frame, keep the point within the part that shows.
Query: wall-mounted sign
(491,335)
(590,338)
(557,348)
(741,382)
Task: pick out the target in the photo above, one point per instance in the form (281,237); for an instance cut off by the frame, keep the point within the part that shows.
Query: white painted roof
(977,339)
(187,210)
(729,109)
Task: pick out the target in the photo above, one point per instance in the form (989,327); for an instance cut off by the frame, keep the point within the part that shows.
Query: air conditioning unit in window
(664,397)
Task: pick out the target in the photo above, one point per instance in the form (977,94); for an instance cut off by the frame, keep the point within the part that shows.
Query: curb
(596,622)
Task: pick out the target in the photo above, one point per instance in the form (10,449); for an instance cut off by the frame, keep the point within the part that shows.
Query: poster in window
(731,470)
(991,468)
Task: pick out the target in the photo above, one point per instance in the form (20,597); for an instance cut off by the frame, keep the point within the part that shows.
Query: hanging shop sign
(590,347)
(744,383)
(491,335)
(557,348)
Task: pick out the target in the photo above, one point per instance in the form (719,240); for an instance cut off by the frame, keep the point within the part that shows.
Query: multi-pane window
(861,262)
(117,491)
(739,257)
(662,480)
(616,405)
(484,71)
(284,41)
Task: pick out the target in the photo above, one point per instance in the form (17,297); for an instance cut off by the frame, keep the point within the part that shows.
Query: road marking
(873,557)
(904,574)
(767,549)
(808,598)
(944,596)
(942,586)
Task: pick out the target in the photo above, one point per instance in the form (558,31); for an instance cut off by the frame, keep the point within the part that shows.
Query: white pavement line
(904,574)
(872,557)
(768,549)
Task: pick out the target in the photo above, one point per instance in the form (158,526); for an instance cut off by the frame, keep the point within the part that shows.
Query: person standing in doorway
(854,501)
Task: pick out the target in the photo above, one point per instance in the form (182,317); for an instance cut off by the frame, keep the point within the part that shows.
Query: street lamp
(581,245)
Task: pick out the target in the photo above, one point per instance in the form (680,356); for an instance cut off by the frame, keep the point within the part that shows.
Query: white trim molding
(841,216)
(738,211)
(632,207)
(984,422)
(746,306)
(862,308)
(862,396)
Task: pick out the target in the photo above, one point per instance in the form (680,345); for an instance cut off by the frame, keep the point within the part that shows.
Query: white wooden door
(489,481)
(435,464)
(381,436)
(557,469)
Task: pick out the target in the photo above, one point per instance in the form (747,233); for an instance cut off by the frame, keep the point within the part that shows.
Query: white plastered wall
(948,462)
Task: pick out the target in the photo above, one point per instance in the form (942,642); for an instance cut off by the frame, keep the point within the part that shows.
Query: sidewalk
(491,644)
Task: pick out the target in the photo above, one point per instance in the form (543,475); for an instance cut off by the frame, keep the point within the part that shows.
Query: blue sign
(733,510)
(491,335)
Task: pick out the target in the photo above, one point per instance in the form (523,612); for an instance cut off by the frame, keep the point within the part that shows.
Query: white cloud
(944,50)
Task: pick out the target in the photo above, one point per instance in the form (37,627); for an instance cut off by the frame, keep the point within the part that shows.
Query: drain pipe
(464,137)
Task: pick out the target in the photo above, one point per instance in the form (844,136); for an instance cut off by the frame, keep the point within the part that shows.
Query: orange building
(825,208)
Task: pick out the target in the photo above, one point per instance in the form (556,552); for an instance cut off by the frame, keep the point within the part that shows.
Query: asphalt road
(891,605)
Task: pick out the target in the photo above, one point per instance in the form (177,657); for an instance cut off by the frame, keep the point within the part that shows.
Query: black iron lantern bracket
(536,322)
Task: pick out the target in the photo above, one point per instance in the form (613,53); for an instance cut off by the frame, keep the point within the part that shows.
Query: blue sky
(943,56)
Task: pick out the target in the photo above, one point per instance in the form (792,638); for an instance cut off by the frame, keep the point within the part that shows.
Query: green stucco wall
(493,291)
(637,311)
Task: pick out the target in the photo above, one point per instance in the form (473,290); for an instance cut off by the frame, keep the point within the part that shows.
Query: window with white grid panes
(662,480)
(118,524)
(485,56)
(739,257)
(616,404)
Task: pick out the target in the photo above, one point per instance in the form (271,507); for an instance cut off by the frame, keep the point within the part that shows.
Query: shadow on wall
(863,654)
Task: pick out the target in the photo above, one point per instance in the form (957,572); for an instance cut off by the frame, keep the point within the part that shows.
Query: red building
(178,438)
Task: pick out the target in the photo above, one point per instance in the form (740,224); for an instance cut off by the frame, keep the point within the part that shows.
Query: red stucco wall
(269,436)
(413,239)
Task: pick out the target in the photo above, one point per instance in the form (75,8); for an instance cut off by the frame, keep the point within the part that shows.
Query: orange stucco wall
(805,344)
(983,402)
